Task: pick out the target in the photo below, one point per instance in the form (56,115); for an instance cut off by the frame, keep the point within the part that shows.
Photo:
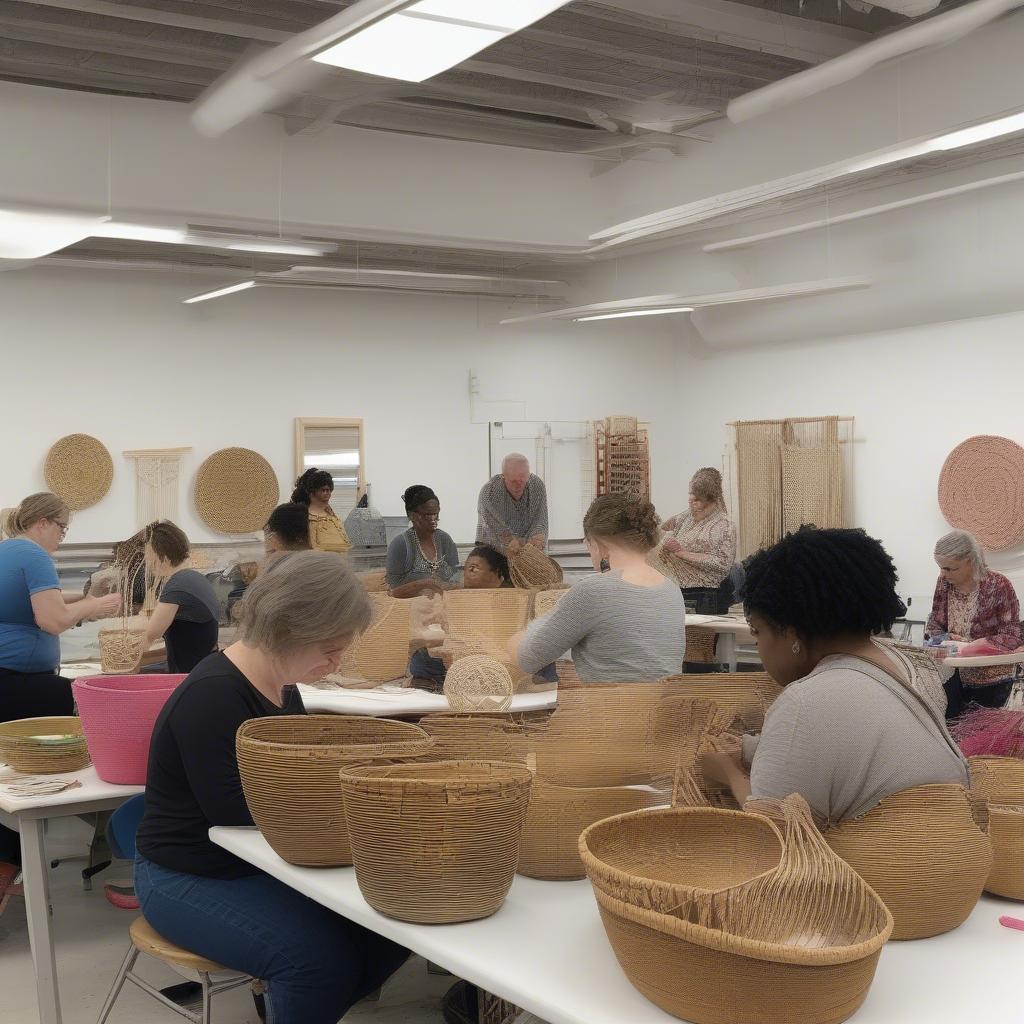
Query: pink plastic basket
(118,714)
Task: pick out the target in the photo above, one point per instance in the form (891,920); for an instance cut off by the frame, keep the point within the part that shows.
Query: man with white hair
(513,508)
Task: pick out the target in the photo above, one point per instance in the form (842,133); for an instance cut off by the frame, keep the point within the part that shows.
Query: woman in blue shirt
(33,613)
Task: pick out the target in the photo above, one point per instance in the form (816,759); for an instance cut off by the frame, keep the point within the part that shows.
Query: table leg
(727,649)
(37,910)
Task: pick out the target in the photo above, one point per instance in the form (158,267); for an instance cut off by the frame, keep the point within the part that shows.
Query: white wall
(119,357)
(915,395)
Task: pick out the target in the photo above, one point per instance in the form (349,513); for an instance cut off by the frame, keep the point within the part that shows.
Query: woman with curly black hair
(326,532)
(858,720)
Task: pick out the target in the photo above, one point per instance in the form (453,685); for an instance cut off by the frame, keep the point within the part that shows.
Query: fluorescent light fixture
(140,232)
(28,235)
(231,288)
(505,15)
(634,312)
(283,246)
(980,132)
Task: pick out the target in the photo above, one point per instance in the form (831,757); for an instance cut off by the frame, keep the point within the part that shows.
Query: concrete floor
(92,938)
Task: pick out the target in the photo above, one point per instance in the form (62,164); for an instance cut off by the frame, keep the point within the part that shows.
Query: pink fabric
(118,714)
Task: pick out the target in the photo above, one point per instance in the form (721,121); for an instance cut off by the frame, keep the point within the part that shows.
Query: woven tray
(289,766)
(478,683)
(235,491)
(721,917)
(37,745)
(436,843)
(79,471)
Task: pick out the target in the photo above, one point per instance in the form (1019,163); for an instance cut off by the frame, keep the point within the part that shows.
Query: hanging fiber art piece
(981,489)
(236,490)
(79,470)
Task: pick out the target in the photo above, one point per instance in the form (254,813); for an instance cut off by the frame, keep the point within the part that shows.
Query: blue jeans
(316,964)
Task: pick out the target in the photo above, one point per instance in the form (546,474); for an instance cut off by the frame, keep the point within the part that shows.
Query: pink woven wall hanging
(981,489)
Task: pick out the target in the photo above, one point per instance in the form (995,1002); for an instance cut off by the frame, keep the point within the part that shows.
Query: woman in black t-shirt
(296,621)
(188,611)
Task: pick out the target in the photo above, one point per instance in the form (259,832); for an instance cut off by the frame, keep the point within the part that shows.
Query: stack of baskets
(1001,779)
(436,843)
(118,714)
(289,766)
(723,917)
(44,746)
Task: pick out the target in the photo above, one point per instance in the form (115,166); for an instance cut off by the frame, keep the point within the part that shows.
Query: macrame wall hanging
(157,471)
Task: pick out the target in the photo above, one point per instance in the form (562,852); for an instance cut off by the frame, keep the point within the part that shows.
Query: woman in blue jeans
(297,619)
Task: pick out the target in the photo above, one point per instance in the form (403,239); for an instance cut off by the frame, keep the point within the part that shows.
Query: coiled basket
(436,843)
(1001,779)
(44,746)
(726,917)
(289,766)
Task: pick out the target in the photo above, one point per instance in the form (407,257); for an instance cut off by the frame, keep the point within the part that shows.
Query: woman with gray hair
(973,603)
(297,619)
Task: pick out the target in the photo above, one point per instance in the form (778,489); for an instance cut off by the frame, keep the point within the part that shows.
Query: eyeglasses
(62,526)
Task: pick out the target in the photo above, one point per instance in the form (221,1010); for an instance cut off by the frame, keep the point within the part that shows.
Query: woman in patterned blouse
(700,548)
(973,603)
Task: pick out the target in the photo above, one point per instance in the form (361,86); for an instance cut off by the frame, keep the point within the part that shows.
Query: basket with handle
(436,843)
(289,767)
(1001,779)
(118,714)
(121,650)
(726,917)
(44,746)
(382,652)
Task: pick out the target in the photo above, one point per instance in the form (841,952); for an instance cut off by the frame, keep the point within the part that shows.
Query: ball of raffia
(981,489)
(478,683)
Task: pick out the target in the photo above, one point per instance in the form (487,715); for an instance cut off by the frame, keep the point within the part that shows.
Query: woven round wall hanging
(79,471)
(236,490)
(981,489)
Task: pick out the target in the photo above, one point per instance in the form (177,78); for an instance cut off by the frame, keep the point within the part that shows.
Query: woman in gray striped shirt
(622,626)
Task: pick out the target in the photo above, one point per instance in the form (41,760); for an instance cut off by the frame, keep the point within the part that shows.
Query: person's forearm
(739,784)
(72,597)
(72,615)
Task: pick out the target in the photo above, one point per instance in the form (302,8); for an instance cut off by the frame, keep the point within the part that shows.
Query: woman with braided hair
(858,720)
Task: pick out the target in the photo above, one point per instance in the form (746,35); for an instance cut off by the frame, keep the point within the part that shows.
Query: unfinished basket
(746,696)
(723,917)
(436,843)
(121,650)
(478,683)
(557,815)
(494,615)
(44,746)
(1001,779)
(923,852)
(382,652)
(545,600)
(470,737)
(529,568)
(79,470)
(236,489)
(289,766)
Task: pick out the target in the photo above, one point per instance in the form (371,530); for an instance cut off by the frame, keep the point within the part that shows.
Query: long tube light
(28,235)
(633,312)
(218,292)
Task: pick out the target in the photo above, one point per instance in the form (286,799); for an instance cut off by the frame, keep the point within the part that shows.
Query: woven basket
(700,645)
(236,490)
(79,471)
(471,737)
(375,582)
(922,851)
(436,843)
(545,600)
(382,652)
(746,696)
(44,746)
(558,814)
(121,650)
(1001,779)
(531,568)
(494,615)
(118,714)
(478,683)
(289,766)
(722,917)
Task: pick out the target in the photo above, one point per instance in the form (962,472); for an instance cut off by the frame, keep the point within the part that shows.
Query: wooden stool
(145,939)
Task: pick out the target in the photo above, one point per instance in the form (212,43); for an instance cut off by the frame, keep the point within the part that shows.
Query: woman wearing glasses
(33,614)
(424,559)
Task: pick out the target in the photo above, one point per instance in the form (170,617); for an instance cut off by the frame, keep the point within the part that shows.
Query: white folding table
(730,629)
(407,701)
(546,951)
(28,816)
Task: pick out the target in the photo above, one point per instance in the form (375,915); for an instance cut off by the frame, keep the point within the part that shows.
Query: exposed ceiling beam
(750,28)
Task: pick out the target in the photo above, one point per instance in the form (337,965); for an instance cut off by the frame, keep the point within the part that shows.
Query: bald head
(515,471)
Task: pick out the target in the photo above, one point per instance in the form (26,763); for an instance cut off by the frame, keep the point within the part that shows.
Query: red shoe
(121,895)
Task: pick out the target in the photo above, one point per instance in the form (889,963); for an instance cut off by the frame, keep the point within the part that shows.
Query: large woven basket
(118,714)
(494,615)
(44,746)
(558,814)
(530,568)
(545,600)
(746,696)
(722,917)
(289,766)
(121,650)
(923,852)
(382,652)
(436,843)
(1001,779)
(469,737)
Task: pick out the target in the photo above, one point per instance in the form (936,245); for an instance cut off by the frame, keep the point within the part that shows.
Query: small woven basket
(478,683)
(530,568)
(382,652)
(1001,779)
(545,600)
(436,843)
(558,814)
(44,746)
(121,650)
(923,852)
(470,737)
(723,917)
(289,766)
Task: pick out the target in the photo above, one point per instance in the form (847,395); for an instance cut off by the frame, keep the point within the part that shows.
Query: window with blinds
(336,446)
